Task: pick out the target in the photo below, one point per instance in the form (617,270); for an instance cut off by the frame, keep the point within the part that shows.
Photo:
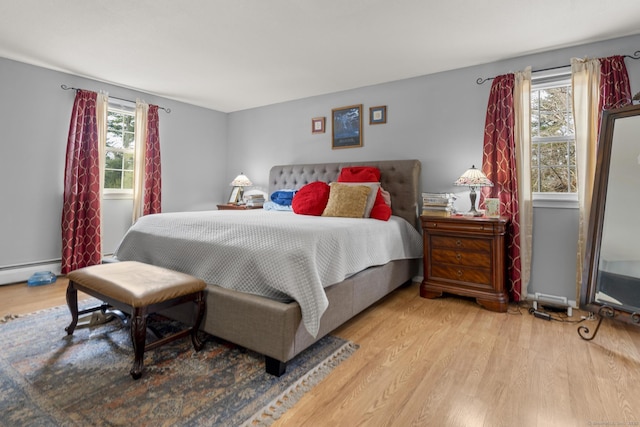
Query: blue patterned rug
(50,379)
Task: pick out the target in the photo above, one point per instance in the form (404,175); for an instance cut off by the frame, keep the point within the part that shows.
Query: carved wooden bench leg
(200,308)
(138,338)
(72,302)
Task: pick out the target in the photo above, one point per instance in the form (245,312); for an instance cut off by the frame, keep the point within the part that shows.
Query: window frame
(126,107)
(569,200)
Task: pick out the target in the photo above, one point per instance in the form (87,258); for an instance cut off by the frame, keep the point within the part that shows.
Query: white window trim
(554,75)
(127,107)
(117,194)
(555,200)
(544,80)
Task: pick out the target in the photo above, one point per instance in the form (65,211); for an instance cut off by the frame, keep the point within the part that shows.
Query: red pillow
(359,174)
(311,199)
(380,209)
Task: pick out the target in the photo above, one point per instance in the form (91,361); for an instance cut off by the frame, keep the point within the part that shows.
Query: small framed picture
(235,195)
(317,124)
(492,207)
(378,115)
(346,127)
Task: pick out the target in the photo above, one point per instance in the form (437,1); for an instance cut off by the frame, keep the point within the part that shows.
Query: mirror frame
(596,220)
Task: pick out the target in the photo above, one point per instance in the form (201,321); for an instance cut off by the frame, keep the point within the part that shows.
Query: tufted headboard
(401,178)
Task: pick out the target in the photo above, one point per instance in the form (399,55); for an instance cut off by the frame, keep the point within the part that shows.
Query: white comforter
(278,255)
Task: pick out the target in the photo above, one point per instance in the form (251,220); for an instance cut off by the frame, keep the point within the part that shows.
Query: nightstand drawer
(472,259)
(465,243)
(461,274)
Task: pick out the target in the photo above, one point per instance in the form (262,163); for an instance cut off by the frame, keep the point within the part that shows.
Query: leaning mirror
(611,279)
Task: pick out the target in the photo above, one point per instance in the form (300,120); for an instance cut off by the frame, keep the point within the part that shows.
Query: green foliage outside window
(119,152)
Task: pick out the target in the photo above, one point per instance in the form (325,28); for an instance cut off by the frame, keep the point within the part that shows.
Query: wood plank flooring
(449,362)
(22,299)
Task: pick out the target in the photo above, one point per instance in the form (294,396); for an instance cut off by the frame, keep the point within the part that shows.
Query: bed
(273,324)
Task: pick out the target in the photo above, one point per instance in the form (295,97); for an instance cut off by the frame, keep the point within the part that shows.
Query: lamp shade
(241,181)
(474,178)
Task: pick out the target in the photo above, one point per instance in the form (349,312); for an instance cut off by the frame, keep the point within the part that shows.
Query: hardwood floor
(19,298)
(449,362)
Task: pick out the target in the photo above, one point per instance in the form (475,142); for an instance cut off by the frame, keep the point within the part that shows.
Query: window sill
(117,195)
(555,200)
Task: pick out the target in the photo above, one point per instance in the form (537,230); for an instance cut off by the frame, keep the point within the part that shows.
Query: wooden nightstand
(465,256)
(230,206)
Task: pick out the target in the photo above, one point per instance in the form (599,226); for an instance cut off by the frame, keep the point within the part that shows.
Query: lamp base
(472,196)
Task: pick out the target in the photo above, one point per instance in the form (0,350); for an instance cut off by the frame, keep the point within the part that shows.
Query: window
(553,148)
(119,151)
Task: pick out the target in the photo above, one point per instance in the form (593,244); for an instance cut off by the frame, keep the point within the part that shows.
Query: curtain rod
(636,55)
(65,87)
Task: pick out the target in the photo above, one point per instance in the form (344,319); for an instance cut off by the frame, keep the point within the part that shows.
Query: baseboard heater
(21,272)
(540,299)
(18,273)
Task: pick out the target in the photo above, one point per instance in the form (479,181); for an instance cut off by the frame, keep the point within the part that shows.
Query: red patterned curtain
(152,171)
(499,164)
(615,91)
(81,245)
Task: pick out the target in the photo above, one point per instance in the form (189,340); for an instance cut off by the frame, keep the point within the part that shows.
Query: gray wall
(34,121)
(438,119)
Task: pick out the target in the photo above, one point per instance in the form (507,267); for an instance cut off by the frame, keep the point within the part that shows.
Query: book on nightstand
(438,204)
(254,200)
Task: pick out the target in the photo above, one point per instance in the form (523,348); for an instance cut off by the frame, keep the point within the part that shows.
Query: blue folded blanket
(283,197)
(272,206)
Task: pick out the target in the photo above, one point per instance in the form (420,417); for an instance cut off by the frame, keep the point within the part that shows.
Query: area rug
(50,379)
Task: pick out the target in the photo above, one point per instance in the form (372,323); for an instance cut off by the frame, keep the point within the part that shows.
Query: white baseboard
(22,273)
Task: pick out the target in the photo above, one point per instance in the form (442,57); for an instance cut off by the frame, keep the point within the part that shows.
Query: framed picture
(378,115)
(492,207)
(346,127)
(235,195)
(317,124)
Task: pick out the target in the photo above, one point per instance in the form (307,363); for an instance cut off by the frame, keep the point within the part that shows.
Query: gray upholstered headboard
(401,178)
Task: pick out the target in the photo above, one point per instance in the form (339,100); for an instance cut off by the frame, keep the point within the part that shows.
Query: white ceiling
(231,55)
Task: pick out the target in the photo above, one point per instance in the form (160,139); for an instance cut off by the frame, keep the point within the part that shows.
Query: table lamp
(473,178)
(238,184)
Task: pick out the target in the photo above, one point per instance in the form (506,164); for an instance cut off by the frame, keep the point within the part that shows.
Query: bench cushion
(136,284)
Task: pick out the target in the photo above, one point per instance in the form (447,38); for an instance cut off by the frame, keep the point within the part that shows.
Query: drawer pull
(459,273)
(458,243)
(458,256)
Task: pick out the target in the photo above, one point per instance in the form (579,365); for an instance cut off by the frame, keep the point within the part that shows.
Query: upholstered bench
(138,289)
